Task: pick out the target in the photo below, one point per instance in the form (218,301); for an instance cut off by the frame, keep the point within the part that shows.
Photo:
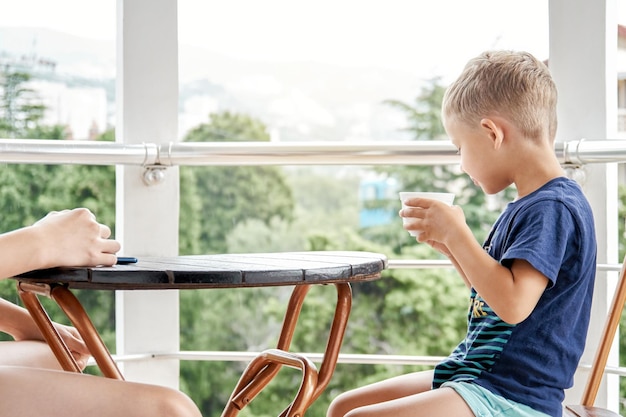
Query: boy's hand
(435,222)
(439,247)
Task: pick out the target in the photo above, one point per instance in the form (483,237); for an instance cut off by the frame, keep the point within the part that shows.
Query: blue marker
(126,260)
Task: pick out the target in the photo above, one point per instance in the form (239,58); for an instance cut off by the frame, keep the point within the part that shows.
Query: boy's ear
(494,131)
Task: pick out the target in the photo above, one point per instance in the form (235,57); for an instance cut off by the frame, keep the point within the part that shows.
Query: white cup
(447,198)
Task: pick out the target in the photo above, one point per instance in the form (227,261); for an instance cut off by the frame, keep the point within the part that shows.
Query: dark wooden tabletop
(221,271)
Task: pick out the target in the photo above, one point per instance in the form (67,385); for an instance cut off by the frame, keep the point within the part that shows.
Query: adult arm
(66,238)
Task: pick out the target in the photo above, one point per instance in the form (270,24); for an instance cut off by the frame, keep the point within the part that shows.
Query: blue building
(379,202)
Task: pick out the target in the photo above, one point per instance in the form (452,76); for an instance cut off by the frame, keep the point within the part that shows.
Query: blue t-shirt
(534,361)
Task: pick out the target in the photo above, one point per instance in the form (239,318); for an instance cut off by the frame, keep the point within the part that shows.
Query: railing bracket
(154,174)
(576,172)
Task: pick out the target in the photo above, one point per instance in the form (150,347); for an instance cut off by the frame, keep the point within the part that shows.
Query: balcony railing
(36,151)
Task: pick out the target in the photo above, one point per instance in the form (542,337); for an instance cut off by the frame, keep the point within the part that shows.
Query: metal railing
(37,151)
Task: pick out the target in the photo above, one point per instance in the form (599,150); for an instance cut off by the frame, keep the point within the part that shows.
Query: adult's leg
(407,395)
(35,354)
(28,392)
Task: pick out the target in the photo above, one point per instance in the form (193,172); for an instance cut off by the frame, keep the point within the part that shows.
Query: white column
(583,50)
(147,216)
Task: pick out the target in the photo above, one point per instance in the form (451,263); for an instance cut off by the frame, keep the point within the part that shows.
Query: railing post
(147,216)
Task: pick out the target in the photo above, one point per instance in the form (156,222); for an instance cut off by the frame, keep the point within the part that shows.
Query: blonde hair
(515,85)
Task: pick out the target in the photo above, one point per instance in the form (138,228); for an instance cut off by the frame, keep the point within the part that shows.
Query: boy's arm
(512,293)
(441,248)
(460,271)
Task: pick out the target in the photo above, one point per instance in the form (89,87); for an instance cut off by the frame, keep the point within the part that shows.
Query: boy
(530,283)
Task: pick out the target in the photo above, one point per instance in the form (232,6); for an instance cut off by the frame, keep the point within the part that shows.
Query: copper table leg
(28,293)
(266,365)
(70,305)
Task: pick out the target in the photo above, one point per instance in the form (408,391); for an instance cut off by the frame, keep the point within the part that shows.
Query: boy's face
(479,154)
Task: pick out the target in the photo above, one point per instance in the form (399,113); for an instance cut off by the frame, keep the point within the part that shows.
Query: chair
(586,408)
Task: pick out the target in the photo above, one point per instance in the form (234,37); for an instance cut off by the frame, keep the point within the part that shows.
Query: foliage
(223,197)
(20,109)
(424,116)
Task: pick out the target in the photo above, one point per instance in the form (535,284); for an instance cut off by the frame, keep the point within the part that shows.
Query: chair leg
(586,411)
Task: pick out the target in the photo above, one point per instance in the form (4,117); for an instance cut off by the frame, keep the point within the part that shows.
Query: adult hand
(75,344)
(75,238)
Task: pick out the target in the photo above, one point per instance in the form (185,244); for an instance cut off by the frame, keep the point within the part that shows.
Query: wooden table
(298,269)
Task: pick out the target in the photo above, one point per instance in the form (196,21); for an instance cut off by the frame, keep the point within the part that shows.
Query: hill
(296,100)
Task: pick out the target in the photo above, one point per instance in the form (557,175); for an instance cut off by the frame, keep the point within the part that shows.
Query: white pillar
(583,51)
(147,216)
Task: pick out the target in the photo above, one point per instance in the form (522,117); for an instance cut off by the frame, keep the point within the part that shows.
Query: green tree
(424,117)
(227,196)
(20,107)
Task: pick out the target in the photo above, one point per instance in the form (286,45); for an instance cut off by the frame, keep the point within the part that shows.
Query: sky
(424,37)
(390,33)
